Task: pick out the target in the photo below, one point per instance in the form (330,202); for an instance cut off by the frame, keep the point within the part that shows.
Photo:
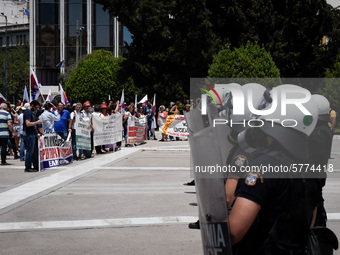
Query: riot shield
(194,120)
(213,214)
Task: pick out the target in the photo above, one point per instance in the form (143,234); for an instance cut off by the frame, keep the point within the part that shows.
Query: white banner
(107,130)
(176,125)
(83,132)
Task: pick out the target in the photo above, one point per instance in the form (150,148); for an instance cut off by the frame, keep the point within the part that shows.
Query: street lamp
(79,42)
(5,60)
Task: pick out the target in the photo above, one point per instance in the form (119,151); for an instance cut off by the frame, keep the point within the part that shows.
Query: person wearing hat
(100,149)
(87,116)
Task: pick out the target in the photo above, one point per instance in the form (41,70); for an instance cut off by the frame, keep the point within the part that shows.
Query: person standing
(30,137)
(61,126)
(72,129)
(49,118)
(6,128)
(162,115)
(148,113)
(87,116)
(21,131)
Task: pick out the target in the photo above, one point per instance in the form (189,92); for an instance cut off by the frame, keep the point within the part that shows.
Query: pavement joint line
(31,190)
(108,223)
(95,223)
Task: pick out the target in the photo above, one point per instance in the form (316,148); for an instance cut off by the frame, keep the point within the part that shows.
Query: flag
(61,64)
(2,98)
(136,104)
(122,103)
(144,100)
(26,12)
(35,85)
(64,99)
(49,96)
(154,105)
(26,98)
(109,97)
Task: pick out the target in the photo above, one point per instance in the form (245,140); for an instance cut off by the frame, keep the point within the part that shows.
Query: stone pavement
(128,202)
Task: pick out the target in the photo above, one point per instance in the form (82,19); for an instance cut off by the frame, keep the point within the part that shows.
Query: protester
(16,127)
(175,111)
(30,137)
(71,129)
(148,113)
(162,115)
(21,131)
(87,116)
(49,118)
(126,117)
(61,126)
(6,128)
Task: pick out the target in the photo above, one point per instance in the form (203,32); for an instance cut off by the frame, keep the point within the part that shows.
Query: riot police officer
(273,215)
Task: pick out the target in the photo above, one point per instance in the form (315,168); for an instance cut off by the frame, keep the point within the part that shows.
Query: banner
(83,133)
(54,151)
(107,130)
(136,130)
(176,125)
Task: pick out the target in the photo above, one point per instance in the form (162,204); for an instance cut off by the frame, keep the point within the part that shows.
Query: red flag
(154,105)
(26,98)
(35,85)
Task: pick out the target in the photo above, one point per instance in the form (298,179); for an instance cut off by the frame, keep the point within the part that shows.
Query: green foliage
(250,61)
(332,87)
(96,77)
(172,42)
(17,70)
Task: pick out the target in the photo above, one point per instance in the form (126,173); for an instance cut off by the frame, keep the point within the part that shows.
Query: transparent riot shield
(194,120)
(209,182)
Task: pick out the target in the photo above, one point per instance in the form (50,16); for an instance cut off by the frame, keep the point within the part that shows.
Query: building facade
(17,28)
(63,31)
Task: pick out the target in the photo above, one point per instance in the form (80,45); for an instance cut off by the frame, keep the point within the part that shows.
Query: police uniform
(281,221)
(320,143)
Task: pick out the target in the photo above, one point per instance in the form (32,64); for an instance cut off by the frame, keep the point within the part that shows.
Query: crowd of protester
(23,125)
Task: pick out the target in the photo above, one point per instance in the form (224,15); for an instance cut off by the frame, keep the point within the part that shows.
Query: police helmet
(290,118)
(323,107)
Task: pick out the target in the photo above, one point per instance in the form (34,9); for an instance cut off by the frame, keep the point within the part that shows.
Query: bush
(250,61)
(96,77)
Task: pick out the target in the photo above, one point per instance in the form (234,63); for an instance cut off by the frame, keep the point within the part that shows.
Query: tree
(172,42)
(250,61)
(331,89)
(96,77)
(17,70)
(291,30)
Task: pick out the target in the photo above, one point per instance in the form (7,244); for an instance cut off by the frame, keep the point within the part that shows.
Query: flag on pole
(154,105)
(153,124)
(26,12)
(122,103)
(144,100)
(64,99)
(135,104)
(2,98)
(49,96)
(26,98)
(35,85)
(109,97)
